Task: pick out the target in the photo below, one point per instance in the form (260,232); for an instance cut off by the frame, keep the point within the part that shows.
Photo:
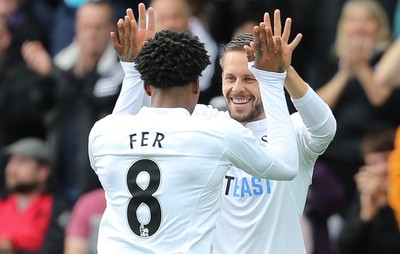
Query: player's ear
(147,89)
(196,86)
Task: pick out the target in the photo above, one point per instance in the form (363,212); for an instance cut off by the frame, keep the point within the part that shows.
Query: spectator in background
(63,30)
(24,97)
(22,24)
(86,78)
(32,218)
(176,15)
(21,101)
(83,226)
(346,83)
(370,225)
(63,12)
(388,75)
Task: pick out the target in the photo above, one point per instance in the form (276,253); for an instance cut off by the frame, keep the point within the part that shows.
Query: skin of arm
(376,93)
(354,63)
(387,71)
(294,84)
(332,90)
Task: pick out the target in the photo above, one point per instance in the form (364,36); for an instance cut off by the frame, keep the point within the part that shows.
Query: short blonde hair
(236,44)
(375,11)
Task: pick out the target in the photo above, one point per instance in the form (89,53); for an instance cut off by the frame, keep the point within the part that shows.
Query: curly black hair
(236,44)
(171,59)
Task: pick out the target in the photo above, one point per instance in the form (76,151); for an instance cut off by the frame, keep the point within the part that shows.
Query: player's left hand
(132,37)
(272,52)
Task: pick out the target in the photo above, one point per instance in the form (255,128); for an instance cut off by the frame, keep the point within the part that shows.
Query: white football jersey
(162,172)
(263,216)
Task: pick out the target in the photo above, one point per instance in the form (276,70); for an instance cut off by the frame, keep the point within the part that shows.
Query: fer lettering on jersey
(146,138)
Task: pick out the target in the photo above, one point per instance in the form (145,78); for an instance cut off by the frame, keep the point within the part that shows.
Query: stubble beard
(249,116)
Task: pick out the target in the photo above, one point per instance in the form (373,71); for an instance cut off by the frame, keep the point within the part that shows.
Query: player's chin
(239,115)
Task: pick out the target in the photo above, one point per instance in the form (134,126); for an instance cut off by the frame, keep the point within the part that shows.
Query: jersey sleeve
(318,119)
(132,96)
(253,156)
(209,112)
(280,132)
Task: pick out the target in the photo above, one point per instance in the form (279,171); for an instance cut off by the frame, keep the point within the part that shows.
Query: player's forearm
(132,96)
(280,131)
(318,119)
(294,84)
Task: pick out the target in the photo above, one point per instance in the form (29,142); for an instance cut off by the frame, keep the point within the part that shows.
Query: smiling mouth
(240,101)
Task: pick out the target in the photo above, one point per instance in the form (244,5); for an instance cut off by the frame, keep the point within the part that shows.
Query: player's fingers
(287,30)
(256,34)
(127,34)
(249,53)
(133,31)
(132,27)
(142,16)
(256,45)
(263,36)
(278,45)
(267,20)
(152,20)
(296,41)
(277,23)
(129,13)
(270,45)
(121,29)
(115,42)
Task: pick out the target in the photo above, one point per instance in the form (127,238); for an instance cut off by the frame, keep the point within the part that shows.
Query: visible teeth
(240,101)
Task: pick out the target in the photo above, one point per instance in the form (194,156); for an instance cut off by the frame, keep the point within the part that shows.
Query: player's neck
(175,97)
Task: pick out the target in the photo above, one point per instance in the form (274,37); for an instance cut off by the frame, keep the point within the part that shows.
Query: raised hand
(267,49)
(272,52)
(132,37)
